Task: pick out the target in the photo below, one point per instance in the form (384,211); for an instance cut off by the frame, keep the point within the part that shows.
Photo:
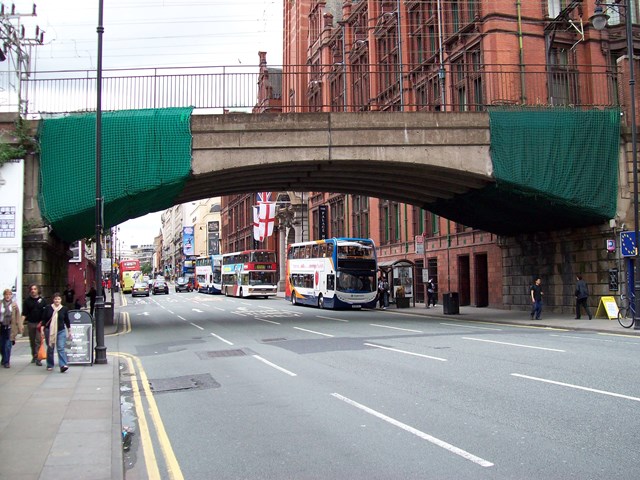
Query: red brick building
(460,55)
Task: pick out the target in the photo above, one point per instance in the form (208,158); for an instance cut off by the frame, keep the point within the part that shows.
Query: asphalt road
(261,389)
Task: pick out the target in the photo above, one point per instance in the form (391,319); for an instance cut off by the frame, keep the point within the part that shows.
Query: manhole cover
(186,382)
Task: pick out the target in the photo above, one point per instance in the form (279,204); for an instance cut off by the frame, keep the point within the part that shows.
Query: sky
(151,33)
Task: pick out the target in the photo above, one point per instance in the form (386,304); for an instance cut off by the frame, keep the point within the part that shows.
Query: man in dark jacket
(582,295)
(32,310)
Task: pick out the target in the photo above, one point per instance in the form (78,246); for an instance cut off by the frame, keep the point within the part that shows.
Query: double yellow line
(139,380)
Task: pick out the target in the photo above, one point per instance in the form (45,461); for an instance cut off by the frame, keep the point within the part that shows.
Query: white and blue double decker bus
(209,274)
(332,273)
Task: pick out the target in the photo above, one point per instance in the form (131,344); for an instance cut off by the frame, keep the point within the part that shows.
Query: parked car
(140,288)
(183,284)
(160,286)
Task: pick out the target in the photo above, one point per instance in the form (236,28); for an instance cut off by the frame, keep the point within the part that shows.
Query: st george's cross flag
(264,215)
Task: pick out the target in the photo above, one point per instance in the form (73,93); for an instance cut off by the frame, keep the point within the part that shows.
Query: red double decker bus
(129,272)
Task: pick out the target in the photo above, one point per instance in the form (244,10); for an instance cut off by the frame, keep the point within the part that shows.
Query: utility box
(450,303)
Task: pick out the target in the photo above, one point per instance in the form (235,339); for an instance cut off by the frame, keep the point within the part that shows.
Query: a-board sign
(607,308)
(81,347)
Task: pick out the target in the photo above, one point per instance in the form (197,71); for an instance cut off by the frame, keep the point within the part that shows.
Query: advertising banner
(188,244)
(323,222)
(11,200)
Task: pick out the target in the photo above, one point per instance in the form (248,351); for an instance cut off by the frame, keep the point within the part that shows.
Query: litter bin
(106,313)
(450,303)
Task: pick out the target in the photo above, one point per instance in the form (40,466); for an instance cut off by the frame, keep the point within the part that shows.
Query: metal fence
(310,88)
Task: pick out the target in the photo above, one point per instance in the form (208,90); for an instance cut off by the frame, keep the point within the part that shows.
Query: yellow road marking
(173,467)
(126,325)
(150,459)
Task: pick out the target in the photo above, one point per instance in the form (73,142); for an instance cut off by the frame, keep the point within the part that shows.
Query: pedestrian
(582,295)
(92,298)
(33,311)
(383,292)
(55,326)
(536,299)
(10,326)
(431,293)
(69,297)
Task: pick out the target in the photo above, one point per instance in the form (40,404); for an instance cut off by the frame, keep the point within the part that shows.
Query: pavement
(55,425)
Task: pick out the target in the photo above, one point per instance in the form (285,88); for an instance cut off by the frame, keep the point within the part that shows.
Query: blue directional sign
(628,244)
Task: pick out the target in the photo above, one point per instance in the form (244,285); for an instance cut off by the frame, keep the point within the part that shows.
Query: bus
(332,273)
(209,274)
(251,273)
(129,272)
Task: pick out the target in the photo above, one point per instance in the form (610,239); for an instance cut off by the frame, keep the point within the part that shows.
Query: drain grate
(183,383)
(221,354)
(271,340)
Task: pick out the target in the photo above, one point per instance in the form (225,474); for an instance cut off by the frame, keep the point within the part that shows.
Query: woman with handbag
(55,326)
(10,326)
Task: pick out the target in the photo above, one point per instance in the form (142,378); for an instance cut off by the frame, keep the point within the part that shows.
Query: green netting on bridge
(146,159)
(554,168)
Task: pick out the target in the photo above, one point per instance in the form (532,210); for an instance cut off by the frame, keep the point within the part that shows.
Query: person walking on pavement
(33,310)
(383,292)
(69,297)
(55,326)
(10,326)
(536,299)
(582,295)
(431,293)
(92,298)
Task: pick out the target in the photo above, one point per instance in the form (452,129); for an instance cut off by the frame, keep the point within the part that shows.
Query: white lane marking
(425,436)
(221,339)
(405,352)
(577,387)
(268,321)
(470,326)
(170,312)
(218,308)
(332,318)
(312,331)
(514,344)
(196,310)
(197,326)
(144,313)
(246,303)
(583,338)
(182,318)
(283,370)
(396,328)
(625,335)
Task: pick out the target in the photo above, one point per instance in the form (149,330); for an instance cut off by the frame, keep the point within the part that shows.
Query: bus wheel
(293,298)
(320,301)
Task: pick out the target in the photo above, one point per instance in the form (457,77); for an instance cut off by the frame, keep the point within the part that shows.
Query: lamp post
(599,21)
(101,349)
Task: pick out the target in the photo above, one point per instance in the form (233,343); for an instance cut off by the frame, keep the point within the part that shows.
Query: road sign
(627,244)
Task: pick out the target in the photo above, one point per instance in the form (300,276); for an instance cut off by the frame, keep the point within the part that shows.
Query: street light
(101,349)
(599,21)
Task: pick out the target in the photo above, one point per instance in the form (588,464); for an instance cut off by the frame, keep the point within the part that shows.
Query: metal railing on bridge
(317,88)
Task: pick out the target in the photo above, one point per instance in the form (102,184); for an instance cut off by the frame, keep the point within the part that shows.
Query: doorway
(464,280)
(481,280)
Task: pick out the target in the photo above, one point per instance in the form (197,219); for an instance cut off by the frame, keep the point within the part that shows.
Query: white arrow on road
(196,310)
(144,313)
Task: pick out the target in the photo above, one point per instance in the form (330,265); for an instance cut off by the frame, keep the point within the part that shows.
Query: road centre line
(312,331)
(268,321)
(514,344)
(197,326)
(577,387)
(283,370)
(221,339)
(405,352)
(396,328)
(332,318)
(182,318)
(170,312)
(425,436)
(470,326)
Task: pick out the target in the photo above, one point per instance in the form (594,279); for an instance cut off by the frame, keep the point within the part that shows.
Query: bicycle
(625,313)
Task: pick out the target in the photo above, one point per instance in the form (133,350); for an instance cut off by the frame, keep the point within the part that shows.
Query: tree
(145,268)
